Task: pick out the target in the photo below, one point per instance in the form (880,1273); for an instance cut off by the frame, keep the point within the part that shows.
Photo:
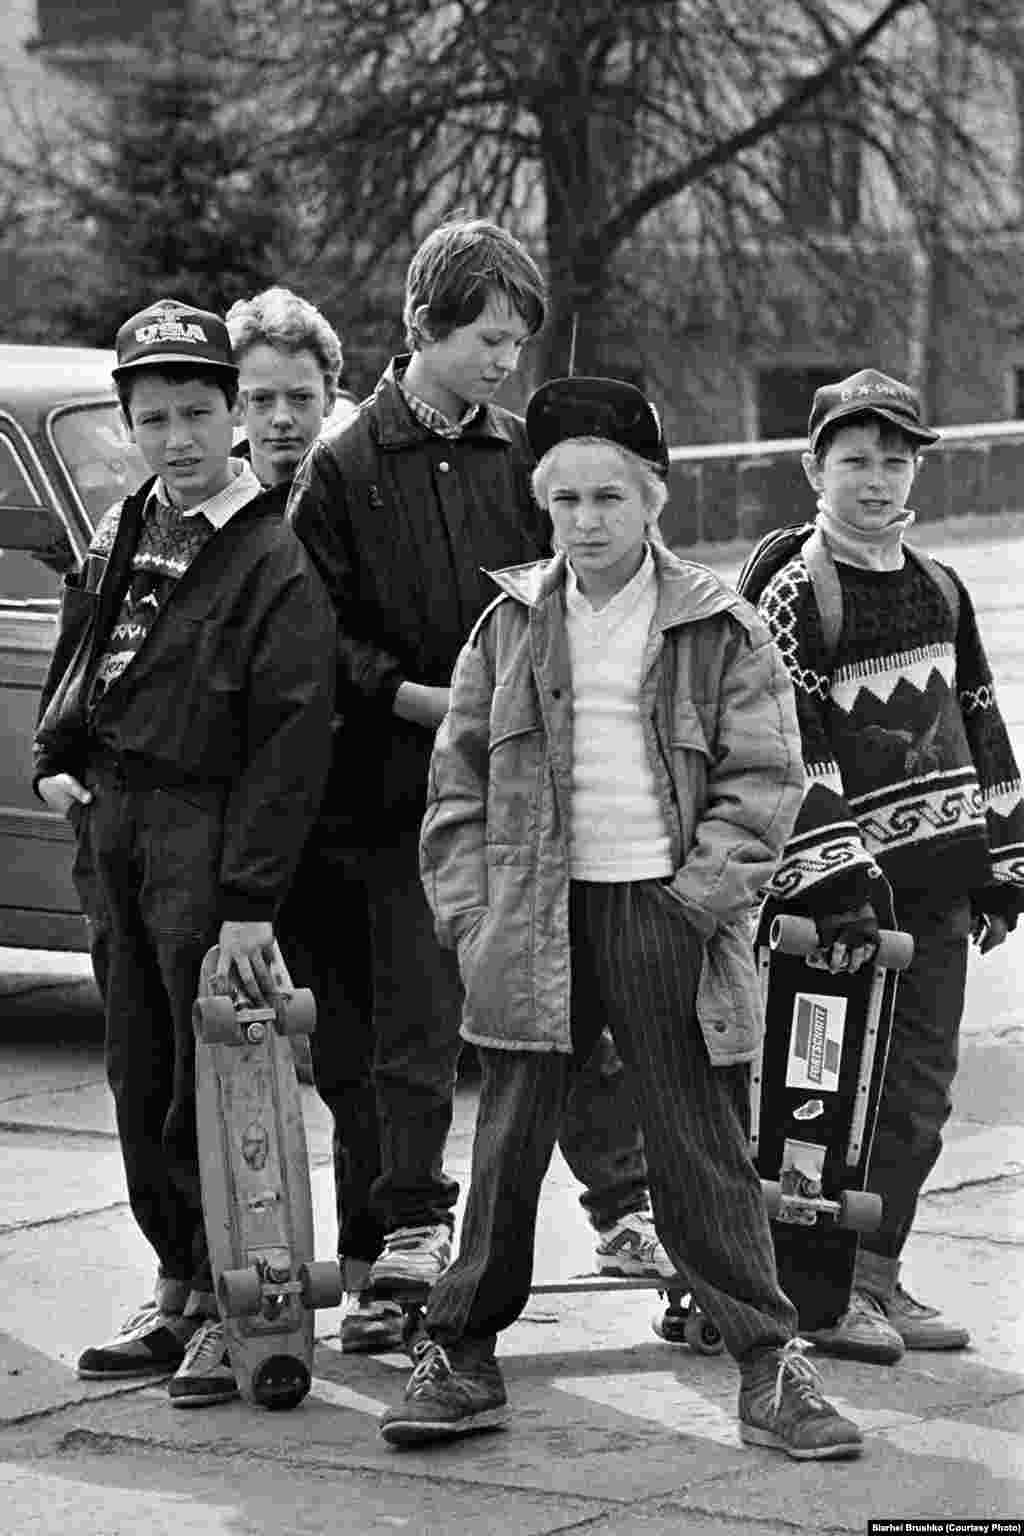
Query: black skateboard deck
(814,1101)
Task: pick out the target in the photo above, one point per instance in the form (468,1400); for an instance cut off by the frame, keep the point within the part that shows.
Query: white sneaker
(633,1250)
(414,1258)
(205,1375)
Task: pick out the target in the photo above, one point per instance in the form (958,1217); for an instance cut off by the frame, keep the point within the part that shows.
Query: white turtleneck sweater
(618,832)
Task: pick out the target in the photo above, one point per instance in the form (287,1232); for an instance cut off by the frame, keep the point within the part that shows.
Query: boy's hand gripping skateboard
(814,1100)
(254,1168)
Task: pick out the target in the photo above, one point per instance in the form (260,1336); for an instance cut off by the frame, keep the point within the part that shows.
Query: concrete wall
(739,491)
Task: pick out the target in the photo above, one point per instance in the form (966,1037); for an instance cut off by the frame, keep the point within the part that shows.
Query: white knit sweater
(618,832)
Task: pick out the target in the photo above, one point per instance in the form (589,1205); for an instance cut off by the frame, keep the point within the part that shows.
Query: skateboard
(814,1096)
(682,1322)
(254,1170)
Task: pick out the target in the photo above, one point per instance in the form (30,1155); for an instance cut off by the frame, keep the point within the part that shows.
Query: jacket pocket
(516,767)
(690,756)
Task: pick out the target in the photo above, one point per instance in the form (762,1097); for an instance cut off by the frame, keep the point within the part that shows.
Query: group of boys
(242,704)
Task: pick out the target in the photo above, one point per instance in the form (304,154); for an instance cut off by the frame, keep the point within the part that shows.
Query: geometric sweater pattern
(909,767)
(168,543)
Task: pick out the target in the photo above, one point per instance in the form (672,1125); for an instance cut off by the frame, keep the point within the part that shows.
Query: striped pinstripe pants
(635,967)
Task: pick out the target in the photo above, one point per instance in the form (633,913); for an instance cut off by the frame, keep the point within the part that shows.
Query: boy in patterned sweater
(910,775)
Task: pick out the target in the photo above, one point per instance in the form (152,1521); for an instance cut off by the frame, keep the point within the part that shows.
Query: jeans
(635,966)
(916,1095)
(357,927)
(147,873)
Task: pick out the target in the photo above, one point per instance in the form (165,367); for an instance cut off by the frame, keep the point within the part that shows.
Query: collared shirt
(436,421)
(170,539)
(220,508)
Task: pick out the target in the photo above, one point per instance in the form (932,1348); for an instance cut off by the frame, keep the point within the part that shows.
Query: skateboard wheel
(860,1210)
(772,1197)
(702,1335)
(895,950)
(793,935)
(240,1292)
(280,1382)
(671,1325)
(215,1021)
(321,1284)
(296,1012)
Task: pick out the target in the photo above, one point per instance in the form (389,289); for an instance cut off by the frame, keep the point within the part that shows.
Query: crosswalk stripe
(661,1398)
(343,1397)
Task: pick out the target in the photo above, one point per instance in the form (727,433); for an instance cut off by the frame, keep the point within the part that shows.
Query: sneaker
(862,1333)
(151,1343)
(372,1326)
(922,1327)
(633,1250)
(443,1401)
(205,1375)
(414,1258)
(781,1406)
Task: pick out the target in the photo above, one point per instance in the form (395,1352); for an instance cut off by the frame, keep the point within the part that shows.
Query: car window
(93,445)
(21,575)
(16,489)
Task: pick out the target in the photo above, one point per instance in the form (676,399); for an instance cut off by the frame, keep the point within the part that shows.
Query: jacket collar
(398,427)
(686,592)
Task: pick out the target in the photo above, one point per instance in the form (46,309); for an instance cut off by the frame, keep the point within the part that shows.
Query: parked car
(64,459)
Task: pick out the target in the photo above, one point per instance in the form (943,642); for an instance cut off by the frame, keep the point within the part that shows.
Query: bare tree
(587,124)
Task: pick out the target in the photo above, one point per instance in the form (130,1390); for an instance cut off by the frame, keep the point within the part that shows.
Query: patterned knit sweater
(909,765)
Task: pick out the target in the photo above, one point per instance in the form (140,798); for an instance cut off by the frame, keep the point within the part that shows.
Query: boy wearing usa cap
(614,780)
(911,775)
(184,729)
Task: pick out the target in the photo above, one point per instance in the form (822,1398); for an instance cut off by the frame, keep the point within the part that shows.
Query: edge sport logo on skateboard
(254,1169)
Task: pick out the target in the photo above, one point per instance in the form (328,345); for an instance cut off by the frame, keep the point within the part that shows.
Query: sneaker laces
(149,1312)
(412,1237)
(432,1366)
(908,1303)
(804,1378)
(640,1225)
(863,1304)
(206,1346)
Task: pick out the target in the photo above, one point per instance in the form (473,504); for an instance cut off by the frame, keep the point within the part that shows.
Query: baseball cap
(869,392)
(591,407)
(171,332)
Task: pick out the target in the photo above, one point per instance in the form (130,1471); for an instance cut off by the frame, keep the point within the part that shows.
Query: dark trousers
(916,1096)
(357,926)
(146,871)
(635,967)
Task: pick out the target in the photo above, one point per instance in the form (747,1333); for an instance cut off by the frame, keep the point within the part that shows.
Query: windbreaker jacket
(233,687)
(722,739)
(401,523)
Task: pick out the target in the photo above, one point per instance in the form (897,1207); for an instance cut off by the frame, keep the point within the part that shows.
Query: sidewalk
(612,1430)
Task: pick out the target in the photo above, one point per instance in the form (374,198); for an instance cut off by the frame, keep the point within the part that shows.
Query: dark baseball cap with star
(172,332)
(592,407)
(869,393)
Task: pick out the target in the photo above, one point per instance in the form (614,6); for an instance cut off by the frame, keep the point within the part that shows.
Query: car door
(38,905)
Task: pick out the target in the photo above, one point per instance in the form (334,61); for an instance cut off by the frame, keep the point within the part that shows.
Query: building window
(784,397)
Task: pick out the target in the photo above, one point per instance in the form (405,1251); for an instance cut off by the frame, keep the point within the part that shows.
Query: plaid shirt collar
(436,421)
(218,509)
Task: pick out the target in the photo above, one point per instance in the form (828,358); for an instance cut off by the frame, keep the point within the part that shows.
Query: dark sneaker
(922,1327)
(443,1401)
(781,1406)
(414,1258)
(862,1333)
(150,1343)
(205,1376)
(372,1326)
(633,1249)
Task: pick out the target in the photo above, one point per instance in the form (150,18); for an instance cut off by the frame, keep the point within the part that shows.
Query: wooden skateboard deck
(814,1102)
(254,1169)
